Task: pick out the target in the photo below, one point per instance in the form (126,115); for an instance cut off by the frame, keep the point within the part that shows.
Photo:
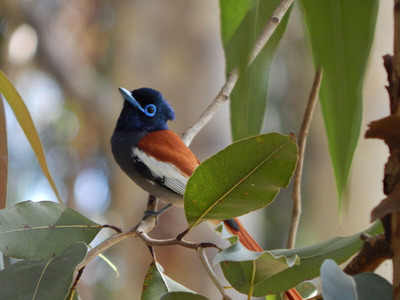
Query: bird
(157,159)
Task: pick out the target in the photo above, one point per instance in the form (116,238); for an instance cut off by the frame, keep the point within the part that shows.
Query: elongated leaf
(25,121)
(42,279)
(341,33)
(232,15)
(156,284)
(243,177)
(336,285)
(40,230)
(183,296)
(241,24)
(238,265)
(339,249)
(3,157)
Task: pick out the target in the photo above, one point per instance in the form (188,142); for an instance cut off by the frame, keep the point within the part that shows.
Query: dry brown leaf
(387,129)
(388,205)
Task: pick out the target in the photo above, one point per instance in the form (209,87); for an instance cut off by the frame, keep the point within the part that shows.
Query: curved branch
(226,89)
(296,211)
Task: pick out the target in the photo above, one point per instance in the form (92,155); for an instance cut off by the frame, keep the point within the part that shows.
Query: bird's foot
(152,213)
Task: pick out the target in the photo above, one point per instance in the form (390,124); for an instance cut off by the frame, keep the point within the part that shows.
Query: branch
(296,211)
(175,241)
(225,91)
(269,28)
(146,225)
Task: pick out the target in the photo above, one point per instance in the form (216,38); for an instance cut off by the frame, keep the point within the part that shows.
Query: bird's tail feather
(236,228)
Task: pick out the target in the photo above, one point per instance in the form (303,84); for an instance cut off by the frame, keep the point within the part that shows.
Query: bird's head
(144,109)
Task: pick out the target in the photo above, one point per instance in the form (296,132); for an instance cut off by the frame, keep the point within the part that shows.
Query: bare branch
(146,225)
(269,28)
(222,97)
(169,242)
(296,211)
(225,91)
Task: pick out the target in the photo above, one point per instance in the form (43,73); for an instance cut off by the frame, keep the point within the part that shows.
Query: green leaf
(42,279)
(156,284)
(339,249)
(241,24)
(25,121)
(40,230)
(341,46)
(243,177)
(3,157)
(182,296)
(371,286)
(232,14)
(337,285)
(238,265)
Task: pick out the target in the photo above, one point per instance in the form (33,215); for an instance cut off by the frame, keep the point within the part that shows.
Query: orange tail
(236,228)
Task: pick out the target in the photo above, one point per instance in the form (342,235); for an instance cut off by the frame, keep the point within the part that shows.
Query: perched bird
(156,158)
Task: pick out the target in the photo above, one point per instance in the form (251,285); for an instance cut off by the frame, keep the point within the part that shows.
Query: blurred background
(67,59)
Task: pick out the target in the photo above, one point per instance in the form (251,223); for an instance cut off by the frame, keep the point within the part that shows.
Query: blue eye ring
(150,110)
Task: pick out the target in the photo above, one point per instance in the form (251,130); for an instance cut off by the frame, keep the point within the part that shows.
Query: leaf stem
(207,266)
(296,193)
(253,277)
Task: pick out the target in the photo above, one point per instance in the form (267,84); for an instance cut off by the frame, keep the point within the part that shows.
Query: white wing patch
(172,176)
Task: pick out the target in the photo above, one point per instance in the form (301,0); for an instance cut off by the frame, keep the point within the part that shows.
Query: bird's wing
(163,173)
(166,146)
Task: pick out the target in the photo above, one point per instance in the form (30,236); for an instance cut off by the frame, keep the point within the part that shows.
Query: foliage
(257,168)
(25,121)
(341,47)
(338,285)
(52,239)
(241,24)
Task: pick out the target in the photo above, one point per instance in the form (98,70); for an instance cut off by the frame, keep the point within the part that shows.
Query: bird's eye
(150,110)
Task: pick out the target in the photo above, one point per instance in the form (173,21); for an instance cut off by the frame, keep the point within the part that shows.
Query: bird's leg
(152,213)
(151,210)
(152,202)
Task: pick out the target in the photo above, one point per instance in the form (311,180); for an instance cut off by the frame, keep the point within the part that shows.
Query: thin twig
(205,117)
(207,266)
(233,76)
(145,225)
(269,28)
(169,242)
(103,246)
(115,228)
(296,211)
(141,229)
